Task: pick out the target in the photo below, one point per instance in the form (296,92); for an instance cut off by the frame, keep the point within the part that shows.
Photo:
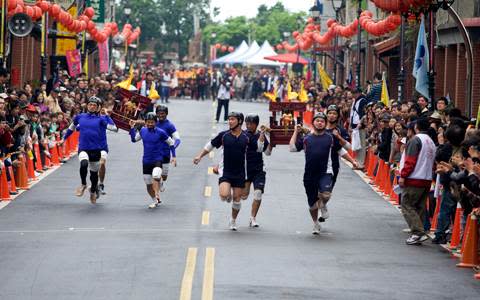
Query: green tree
(176,15)
(269,24)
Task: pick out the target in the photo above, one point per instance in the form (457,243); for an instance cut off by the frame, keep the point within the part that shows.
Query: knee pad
(83,156)
(236,205)
(257,195)
(94,166)
(165,170)
(84,163)
(147,179)
(244,197)
(157,173)
(324,197)
(103,155)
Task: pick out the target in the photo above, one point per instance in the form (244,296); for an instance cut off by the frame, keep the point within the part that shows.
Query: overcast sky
(233,8)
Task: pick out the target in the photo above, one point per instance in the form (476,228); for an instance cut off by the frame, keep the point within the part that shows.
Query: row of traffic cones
(26,167)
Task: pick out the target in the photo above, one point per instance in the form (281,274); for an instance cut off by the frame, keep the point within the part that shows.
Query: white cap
(332,87)
(3,95)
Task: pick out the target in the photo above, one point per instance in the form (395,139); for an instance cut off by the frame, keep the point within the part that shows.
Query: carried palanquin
(128,106)
(285,116)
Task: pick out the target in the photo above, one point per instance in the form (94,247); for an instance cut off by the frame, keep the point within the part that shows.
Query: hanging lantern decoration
(224,48)
(231,49)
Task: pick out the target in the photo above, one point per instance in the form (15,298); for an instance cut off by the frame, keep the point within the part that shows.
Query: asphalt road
(54,245)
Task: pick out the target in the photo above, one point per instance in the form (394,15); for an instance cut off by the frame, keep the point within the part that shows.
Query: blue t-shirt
(169,129)
(152,142)
(255,158)
(93,128)
(318,154)
(234,152)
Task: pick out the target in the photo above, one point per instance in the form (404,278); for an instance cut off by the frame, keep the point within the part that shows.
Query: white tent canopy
(254,47)
(258,58)
(239,51)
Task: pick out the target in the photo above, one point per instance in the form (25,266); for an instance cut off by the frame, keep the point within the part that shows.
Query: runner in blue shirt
(153,156)
(167,126)
(318,146)
(232,181)
(258,144)
(90,145)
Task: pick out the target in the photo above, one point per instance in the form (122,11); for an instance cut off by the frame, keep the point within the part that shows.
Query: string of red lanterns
(400,6)
(82,23)
(224,48)
(311,33)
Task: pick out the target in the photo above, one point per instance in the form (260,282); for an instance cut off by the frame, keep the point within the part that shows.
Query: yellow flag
(127,82)
(303,96)
(324,78)
(291,95)
(272,96)
(385,97)
(153,94)
(85,64)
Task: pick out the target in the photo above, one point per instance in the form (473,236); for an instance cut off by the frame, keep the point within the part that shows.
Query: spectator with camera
(224,95)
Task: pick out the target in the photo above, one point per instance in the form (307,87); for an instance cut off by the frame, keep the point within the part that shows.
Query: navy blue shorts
(148,168)
(258,179)
(316,185)
(235,181)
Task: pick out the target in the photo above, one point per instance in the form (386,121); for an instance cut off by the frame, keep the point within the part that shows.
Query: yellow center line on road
(205,217)
(187,281)
(208,274)
(208,191)
(211,154)
(210,171)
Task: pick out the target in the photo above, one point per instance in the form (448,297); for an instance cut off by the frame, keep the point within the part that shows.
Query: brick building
(383,54)
(24,55)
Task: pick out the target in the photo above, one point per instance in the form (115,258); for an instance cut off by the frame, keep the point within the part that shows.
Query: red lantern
(279,47)
(18,9)
(44,5)
(29,11)
(12,4)
(89,12)
(231,49)
(90,25)
(330,22)
(295,34)
(218,46)
(224,48)
(55,10)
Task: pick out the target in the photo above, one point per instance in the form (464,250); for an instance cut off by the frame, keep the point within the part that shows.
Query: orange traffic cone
(455,241)
(379,174)
(388,182)
(4,192)
(30,168)
(38,163)
(436,213)
(464,237)
(54,153)
(469,257)
(13,186)
(21,177)
(371,164)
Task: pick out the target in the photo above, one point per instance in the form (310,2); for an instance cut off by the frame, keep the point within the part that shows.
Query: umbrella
(288,58)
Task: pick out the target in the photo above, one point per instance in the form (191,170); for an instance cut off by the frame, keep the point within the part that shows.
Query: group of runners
(242,163)
(323,145)
(160,139)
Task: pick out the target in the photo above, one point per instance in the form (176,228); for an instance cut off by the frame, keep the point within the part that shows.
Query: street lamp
(127,11)
(359,46)
(315,14)
(337,6)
